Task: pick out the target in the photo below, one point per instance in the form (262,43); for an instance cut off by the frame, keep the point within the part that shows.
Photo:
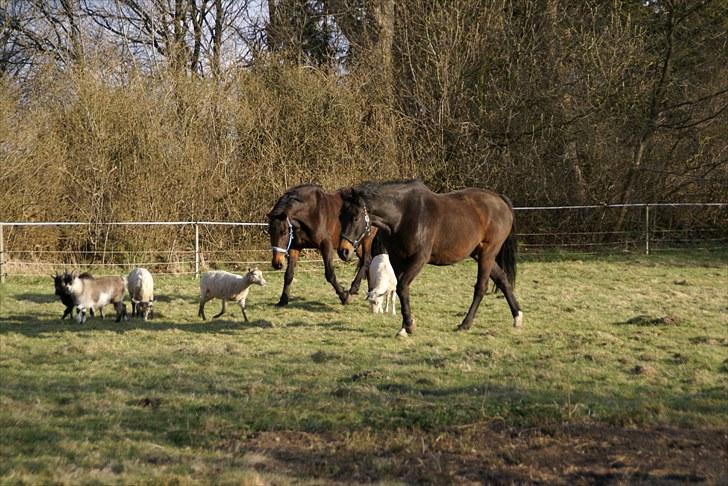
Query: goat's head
(143,309)
(376,302)
(58,284)
(255,275)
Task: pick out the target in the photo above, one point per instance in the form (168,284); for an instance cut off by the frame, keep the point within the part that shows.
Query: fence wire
(189,247)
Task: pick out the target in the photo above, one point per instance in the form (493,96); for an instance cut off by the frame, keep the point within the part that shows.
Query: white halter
(365,232)
(278,249)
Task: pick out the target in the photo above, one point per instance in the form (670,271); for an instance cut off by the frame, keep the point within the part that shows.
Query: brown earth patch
(495,454)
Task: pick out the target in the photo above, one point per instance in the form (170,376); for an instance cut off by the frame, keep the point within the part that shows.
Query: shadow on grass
(307,305)
(39,298)
(672,257)
(32,327)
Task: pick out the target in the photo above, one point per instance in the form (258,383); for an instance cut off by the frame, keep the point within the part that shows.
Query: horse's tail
(506,258)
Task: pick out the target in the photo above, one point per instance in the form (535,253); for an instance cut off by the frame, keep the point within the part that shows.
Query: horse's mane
(291,196)
(374,189)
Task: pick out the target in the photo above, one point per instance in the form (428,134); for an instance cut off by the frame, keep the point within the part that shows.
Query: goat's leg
(222,311)
(242,308)
(120,308)
(201,311)
(67,311)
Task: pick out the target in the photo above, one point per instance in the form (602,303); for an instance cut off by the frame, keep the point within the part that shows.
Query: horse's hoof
(346,298)
(518,320)
(402,333)
(462,327)
(282,303)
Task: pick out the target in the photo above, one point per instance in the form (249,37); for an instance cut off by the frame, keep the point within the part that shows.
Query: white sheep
(383,285)
(227,286)
(141,290)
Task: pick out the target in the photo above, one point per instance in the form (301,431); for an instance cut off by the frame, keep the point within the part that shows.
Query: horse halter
(278,249)
(366,231)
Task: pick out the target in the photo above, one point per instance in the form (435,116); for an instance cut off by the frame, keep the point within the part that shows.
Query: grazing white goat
(141,291)
(227,286)
(96,293)
(383,285)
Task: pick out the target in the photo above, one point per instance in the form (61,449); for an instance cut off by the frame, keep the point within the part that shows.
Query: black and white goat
(96,293)
(66,298)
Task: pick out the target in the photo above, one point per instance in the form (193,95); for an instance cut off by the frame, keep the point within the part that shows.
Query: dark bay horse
(420,226)
(307,217)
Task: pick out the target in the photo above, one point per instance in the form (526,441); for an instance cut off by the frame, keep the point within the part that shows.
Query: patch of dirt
(496,454)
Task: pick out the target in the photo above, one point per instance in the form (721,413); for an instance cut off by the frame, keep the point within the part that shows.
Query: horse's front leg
(293,256)
(327,253)
(406,273)
(362,267)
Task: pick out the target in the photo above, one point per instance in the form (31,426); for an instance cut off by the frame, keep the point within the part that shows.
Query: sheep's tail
(506,258)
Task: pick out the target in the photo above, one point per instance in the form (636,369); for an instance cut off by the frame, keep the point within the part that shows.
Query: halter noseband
(278,249)
(366,231)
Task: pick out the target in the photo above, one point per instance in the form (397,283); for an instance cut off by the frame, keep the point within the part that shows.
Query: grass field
(620,373)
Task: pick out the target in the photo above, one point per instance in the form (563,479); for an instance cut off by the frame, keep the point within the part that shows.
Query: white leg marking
(518,320)
(402,333)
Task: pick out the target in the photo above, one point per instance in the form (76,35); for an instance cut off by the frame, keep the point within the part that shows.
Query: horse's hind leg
(485,264)
(288,277)
(501,281)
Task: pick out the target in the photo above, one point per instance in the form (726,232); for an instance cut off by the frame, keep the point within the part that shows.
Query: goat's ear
(250,270)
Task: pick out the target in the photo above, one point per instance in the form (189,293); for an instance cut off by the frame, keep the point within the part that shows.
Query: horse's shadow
(307,305)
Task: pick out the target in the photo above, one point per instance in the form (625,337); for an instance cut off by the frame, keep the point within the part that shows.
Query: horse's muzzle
(346,250)
(277,261)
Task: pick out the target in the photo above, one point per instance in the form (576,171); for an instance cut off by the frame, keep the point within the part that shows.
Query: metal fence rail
(546,227)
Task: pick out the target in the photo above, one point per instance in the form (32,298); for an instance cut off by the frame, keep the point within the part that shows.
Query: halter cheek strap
(278,249)
(366,231)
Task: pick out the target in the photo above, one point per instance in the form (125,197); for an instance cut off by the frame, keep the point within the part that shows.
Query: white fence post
(2,255)
(197,250)
(647,229)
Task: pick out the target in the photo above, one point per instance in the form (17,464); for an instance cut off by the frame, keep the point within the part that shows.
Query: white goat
(227,286)
(141,291)
(96,293)
(383,285)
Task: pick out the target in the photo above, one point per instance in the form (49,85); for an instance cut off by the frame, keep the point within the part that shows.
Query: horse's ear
(347,192)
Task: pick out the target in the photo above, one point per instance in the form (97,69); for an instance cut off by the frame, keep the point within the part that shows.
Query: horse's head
(280,230)
(355,224)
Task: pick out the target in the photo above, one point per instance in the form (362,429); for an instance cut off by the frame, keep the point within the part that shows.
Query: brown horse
(419,226)
(307,217)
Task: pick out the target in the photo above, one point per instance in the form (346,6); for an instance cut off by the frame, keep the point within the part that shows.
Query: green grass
(626,340)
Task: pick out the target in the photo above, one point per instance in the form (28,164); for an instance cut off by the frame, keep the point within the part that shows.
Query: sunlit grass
(626,340)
